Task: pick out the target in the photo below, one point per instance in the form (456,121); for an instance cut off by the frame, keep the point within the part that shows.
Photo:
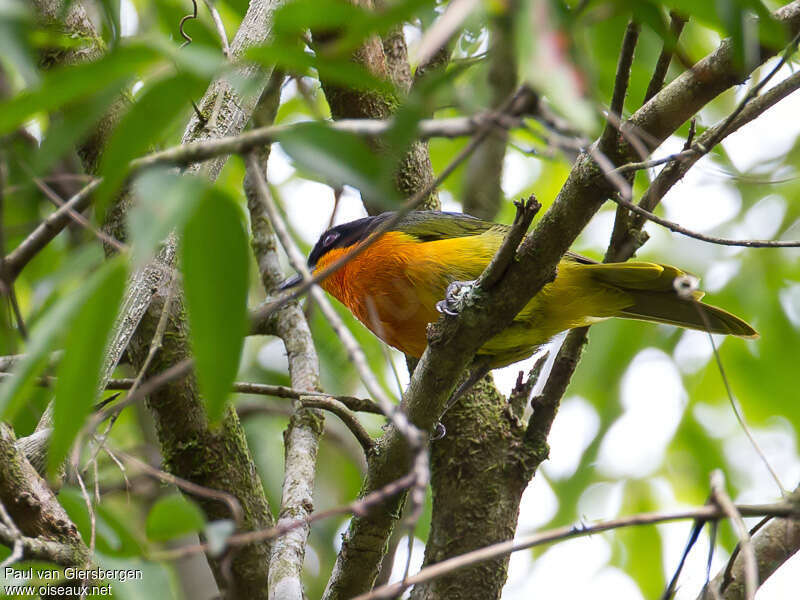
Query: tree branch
(46,529)
(301,438)
(707,512)
(213,457)
(192,152)
(452,342)
(773,545)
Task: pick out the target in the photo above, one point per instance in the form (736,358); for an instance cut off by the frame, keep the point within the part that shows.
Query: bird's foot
(455,297)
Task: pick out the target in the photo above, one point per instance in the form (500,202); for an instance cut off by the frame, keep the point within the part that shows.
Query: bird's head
(334,243)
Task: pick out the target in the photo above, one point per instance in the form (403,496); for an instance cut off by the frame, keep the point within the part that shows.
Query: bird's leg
(454,297)
(479,368)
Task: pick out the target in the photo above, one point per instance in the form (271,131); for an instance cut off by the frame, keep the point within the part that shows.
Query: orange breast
(379,288)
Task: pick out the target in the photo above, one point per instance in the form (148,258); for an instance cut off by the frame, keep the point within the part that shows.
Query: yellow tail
(651,287)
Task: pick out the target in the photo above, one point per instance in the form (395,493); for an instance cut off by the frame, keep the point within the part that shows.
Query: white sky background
(579,568)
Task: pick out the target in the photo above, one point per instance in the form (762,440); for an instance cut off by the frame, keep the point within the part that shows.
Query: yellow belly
(393,288)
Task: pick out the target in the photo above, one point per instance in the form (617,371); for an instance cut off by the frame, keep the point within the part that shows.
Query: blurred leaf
(158,580)
(173,516)
(340,158)
(351,24)
(203,60)
(217,534)
(214,260)
(729,17)
(343,71)
(164,201)
(15,22)
(545,65)
(115,535)
(142,126)
(111,11)
(79,371)
(301,15)
(70,83)
(73,125)
(44,336)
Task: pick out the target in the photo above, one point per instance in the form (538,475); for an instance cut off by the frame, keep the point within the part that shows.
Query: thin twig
(18,547)
(727,573)
(707,512)
(243,387)
(155,345)
(753,93)
(665,58)
(223,36)
(47,230)
(187,486)
(685,286)
(194,152)
(672,226)
(90,509)
(347,417)
(621,80)
(675,170)
(177,371)
(526,211)
(725,504)
(357,507)
(74,214)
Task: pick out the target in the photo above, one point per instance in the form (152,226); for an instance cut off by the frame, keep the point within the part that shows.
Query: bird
(394,286)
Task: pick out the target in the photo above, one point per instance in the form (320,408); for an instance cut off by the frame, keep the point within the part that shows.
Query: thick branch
(197,151)
(301,439)
(453,342)
(214,457)
(48,532)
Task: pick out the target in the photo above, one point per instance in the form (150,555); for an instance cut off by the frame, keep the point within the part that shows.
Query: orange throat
(378,288)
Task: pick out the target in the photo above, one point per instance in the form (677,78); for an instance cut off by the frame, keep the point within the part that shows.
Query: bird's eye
(330,238)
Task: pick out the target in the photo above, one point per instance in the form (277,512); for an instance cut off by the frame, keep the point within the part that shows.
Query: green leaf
(143,125)
(164,201)
(79,370)
(68,84)
(44,336)
(339,158)
(75,123)
(295,17)
(117,533)
(342,71)
(214,258)
(351,24)
(15,21)
(173,516)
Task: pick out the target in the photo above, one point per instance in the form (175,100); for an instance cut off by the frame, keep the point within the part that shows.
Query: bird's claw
(455,297)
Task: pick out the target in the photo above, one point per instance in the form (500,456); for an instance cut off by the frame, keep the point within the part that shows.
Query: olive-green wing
(432,225)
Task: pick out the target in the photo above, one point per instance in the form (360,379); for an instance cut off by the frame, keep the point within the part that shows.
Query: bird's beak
(291,282)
